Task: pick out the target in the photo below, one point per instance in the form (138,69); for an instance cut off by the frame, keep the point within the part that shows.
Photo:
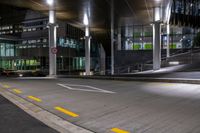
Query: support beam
(112,37)
(52,42)
(156,46)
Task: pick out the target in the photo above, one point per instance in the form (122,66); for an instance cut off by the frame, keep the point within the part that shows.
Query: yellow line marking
(67,112)
(6,86)
(35,98)
(168,84)
(17,91)
(117,130)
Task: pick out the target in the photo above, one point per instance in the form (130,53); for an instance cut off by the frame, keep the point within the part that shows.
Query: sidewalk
(176,77)
(15,120)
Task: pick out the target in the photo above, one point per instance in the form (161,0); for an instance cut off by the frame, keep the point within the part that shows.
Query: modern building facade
(139,37)
(135,44)
(141,32)
(24,45)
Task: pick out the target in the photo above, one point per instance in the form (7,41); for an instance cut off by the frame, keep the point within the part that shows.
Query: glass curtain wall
(7,52)
(141,37)
(186,13)
(68,61)
(74,58)
(137,37)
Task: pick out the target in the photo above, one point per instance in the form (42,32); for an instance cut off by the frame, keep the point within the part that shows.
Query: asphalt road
(107,106)
(15,120)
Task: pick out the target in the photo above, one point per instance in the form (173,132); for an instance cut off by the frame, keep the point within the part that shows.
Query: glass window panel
(7,49)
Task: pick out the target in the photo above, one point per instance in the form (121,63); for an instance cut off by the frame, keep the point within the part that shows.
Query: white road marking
(90,88)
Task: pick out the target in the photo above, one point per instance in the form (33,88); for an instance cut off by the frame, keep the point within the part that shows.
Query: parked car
(22,73)
(8,72)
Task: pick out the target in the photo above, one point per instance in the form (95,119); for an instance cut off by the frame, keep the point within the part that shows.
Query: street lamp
(157,20)
(85,20)
(52,38)
(87,44)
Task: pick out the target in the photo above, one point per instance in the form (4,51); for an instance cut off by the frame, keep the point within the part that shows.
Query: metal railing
(148,65)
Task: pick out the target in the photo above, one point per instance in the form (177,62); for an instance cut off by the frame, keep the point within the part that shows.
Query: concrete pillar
(156,46)
(87,51)
(157,18)
(168,40)
(112,37)
(119,36)
(52,43)
(103,60)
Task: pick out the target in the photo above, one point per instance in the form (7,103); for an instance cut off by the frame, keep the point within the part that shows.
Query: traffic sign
(54,50)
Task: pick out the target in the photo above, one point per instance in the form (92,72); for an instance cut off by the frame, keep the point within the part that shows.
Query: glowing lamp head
(157,14)
(85,20)
(50,2)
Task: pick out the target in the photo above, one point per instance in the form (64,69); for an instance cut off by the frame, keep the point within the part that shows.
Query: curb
(141,79)
(42,115)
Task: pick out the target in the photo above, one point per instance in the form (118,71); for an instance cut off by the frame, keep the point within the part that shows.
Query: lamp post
(52,38)
(69,60)
(168,40)
(87,44)
(62,62)
(112,38)
(156,38)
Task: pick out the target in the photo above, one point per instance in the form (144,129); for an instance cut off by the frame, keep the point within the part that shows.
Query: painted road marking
(35,98)
(6,86)
(117,130)
(17,91)
(168,84)
(77,87)
(67,112)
